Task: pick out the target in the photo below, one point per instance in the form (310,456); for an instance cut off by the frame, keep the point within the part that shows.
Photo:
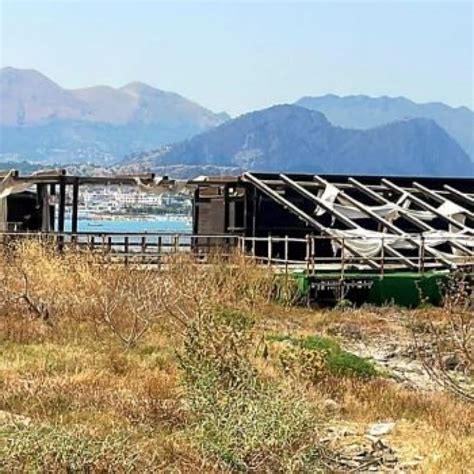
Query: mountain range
(295,139)
(42,122)
(363,112)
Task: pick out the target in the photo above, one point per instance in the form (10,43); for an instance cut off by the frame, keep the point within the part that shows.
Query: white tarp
(9,185)
(390,212)
(369,243)
(161,186)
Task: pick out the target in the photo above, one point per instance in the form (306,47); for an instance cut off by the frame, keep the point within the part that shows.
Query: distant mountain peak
(364,112)
(137,87)
(92,121)
(289,138)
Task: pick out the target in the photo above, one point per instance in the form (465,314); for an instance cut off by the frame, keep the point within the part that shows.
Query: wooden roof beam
(440,199)
(462,196)
(427,207)
(338,215)
(315,200)
(421,225)
(392,227)
(301,214)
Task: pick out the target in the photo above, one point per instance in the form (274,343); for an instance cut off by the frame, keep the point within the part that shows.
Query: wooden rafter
(302,215)
(349,222)
(440,199)
(464,197)
(427,207)
(402,211)
(389,225)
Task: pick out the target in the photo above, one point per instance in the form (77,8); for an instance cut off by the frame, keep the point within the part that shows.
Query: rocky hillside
(292,138)
(363,112)
(40,120)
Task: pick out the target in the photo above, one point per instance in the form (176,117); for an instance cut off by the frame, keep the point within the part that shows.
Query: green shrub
(44,448)
(246,422)
(330,357)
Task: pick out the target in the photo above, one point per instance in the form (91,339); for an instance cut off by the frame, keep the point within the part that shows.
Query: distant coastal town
(122,202)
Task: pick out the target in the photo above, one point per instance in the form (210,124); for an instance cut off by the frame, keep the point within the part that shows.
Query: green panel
(303,284)
(400,288)
(408,289)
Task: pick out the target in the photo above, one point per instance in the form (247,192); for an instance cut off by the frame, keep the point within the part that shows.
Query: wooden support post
(343,258)
(52,214)
(226,208)
(269,250)
(126,248)
(382,256)
(308,253)
(254,211)
(312,253)
(75,204)
(422,255)
(196,212)
(62,204)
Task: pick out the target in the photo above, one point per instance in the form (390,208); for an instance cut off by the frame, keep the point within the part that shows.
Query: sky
(241,56)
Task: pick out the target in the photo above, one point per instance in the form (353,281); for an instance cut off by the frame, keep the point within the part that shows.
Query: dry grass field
(212,368)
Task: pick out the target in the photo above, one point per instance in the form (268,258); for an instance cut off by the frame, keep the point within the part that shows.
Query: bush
(313,356)
(50,449)
(246,422)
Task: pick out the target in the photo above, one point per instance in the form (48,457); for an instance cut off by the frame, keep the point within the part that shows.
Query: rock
(380,429)
(8,418)
(410,464)
(331,405)
(450,362)
(372,439)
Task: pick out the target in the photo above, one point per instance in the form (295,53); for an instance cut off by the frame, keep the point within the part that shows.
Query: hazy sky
(242,56)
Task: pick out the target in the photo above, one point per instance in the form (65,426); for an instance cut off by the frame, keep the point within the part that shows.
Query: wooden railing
(310,254)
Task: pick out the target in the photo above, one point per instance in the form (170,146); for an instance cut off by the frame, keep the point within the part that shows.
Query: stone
(380,429)
(450,362)
(410,464)
(331,405)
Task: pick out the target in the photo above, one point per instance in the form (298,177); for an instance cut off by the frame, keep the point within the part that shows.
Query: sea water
(135,224)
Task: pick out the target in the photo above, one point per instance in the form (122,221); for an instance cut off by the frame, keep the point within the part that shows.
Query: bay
(135,224)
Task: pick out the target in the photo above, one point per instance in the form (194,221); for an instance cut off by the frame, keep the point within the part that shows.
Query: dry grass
(92,355)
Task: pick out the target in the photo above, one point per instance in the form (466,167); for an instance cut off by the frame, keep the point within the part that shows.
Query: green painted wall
(402,289)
